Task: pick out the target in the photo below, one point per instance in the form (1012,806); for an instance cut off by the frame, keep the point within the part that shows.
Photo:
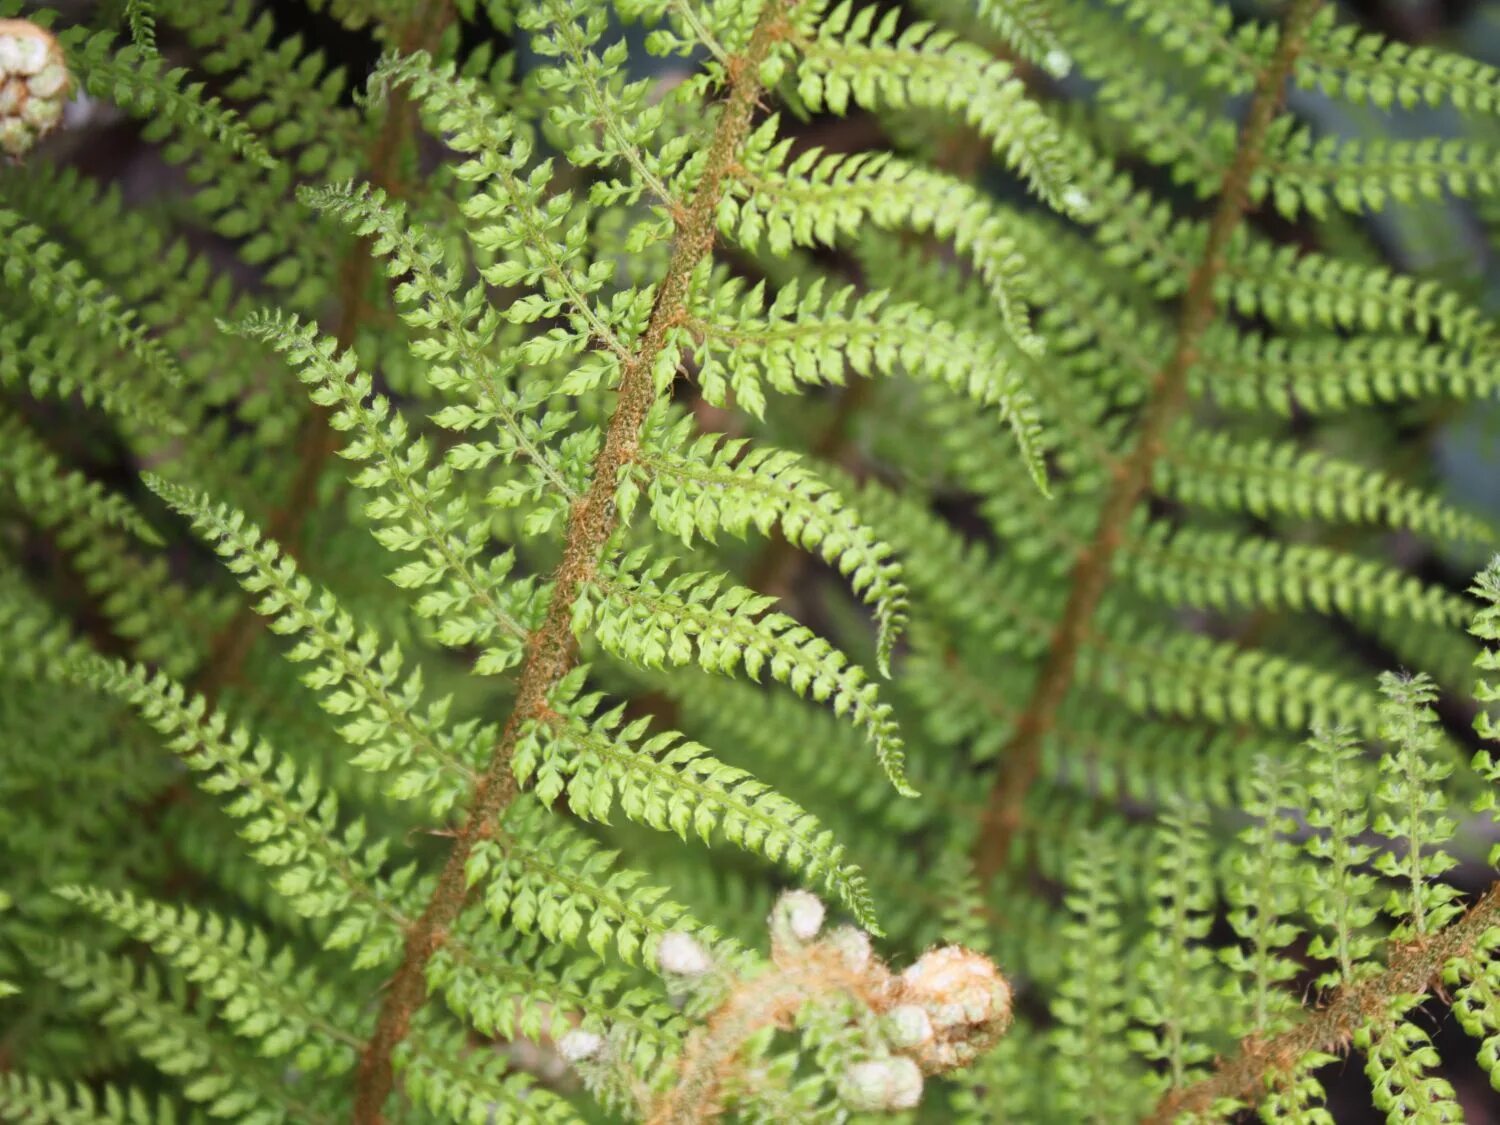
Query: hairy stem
(772,1000)
(1413,970)
(1021,761)
(550,650)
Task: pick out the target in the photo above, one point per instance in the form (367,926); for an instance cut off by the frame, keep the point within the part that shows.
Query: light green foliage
(699,484)
(31,1099)
(1176,969)
(639,613)
(1340,894)
(1413,807)
(476,533)
(1263,895)
(1399,1064)
(359,680)
(263,995)
(1091,1004)
(674,785)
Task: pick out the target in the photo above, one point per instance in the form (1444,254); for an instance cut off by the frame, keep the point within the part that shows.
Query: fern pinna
(1008,381)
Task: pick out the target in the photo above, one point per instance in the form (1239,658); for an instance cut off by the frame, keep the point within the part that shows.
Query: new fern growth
(549,502)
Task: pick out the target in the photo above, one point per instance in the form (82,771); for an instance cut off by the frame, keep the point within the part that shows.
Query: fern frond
(1322,375)
(848,56)
(1399,1060)
(358,678)
(549,878)
(1307,173)
(459,358)
(1220,570)
(767,731)
(29,261)
(56,496)
(1348,62)
(1176,969)
(1264,895)
(1413,807)
(1203,34)
(1029,27)
(1300,291)
(1090,1006)
(675,785)
(291,823)
(701,484)
(291,99)
(30,1099)
(511,985)
(1475,980)
(261,993)
(809,336)
(442,1071)
(472,603)
(140,17)
(638,613)
(609,120)
(1266,476)
(1341,901)
(537,238)
(138,79)
(52,366)
(148,1015)
(817,197)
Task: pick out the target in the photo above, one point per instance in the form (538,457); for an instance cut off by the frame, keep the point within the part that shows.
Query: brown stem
(1091,573)
(1413,970)
(771,1000)
(550,650)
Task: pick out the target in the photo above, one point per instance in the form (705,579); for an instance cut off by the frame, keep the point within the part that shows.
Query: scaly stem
(771,1000)
(1413,970)
(1021,761)
(550,650)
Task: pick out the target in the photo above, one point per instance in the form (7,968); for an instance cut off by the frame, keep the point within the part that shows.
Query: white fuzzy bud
(1057,63)
(10,52)
(853,947)
(51,80)
(15,136)
(1076,201)
(907,1025)
(34,84)
(957,986)
(682,955)
(882,1084)
(578,1045)
(798,915)
(41,115)
(34,50)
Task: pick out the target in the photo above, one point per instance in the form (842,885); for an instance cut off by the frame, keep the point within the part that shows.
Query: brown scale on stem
(1021,760)
(1414,969)
(550,650)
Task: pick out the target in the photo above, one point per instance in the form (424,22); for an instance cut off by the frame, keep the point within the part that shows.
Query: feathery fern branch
(1021,760)
(549,651)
